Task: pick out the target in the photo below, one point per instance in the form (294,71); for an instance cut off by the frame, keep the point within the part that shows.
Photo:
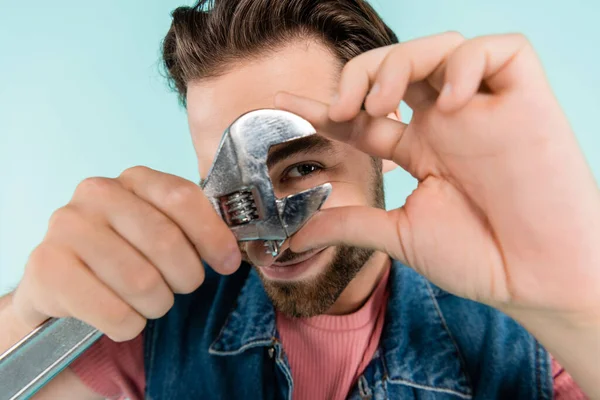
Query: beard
(313,297)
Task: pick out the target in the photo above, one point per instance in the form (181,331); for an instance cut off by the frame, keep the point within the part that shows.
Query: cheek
(353,186)
(205,155)
(347,194)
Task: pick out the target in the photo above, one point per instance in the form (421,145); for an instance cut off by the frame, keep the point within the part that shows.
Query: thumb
(358,226)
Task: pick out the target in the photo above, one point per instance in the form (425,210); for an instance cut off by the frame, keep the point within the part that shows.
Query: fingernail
(375,89)
(334,99)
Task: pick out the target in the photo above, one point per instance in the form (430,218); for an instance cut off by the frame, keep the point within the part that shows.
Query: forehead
(306,68)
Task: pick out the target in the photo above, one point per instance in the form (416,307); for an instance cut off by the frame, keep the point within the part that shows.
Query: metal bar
(31,363)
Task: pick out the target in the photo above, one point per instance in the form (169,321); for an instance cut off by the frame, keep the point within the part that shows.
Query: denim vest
(221,342)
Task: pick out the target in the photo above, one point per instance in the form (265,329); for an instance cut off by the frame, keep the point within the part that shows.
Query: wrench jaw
(239,186)
(296,209)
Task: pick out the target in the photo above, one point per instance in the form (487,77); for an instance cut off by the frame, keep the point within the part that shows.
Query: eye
(300,171)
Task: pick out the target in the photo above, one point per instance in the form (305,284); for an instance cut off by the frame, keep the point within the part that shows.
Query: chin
(306,268)
(308,284)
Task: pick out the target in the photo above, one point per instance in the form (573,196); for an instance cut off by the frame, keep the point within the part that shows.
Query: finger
(412,62)
(496,60)
(142,226)
(380,137)
(346,225)
(60,278)
(92,302)
(32,301)
(390,70)
(355,82)
(185,204)
(420,95)
(114,261)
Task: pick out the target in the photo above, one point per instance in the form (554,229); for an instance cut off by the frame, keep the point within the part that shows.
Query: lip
(292,269)
(299,259)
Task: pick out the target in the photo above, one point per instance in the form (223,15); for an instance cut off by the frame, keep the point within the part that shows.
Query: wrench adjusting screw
(239,207)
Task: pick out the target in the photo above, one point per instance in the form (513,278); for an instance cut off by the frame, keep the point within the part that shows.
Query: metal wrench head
(238,183)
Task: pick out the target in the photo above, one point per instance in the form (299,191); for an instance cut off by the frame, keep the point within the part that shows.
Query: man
(506,214)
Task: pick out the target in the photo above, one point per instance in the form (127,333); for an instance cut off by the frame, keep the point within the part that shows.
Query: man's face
(304,284)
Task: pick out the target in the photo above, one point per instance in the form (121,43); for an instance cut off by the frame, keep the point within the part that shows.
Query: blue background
(81,94)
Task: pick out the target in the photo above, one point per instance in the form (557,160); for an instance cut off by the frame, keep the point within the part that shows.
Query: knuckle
(351,68)
(478,42)
(163,307)
(44,284)
(134,172)
(40,255)
(192,282)
(144,283)
(118,315)
(41,265)
(522,39)
(455,36)
(395,59)
(124,322)
(95,186)
(181,194)
(169,238)
(63,217)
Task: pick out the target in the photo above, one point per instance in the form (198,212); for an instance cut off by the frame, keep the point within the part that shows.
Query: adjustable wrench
(239,188)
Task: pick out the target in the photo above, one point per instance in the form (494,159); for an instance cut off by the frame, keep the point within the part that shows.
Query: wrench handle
(31,363)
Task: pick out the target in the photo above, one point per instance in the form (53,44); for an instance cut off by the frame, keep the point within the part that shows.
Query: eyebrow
(313,143)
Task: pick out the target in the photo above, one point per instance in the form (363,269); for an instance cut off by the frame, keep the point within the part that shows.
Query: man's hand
(506,211)
(115,255)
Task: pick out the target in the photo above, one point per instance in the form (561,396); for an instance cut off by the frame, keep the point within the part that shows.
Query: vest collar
(250,324)
(416,346)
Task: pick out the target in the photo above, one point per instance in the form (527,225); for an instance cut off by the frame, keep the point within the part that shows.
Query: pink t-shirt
(347,342)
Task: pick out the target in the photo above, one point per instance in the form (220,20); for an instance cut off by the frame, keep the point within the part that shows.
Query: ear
(389,165)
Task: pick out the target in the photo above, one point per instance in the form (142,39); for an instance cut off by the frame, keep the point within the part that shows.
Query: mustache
(284,257)
(288,255)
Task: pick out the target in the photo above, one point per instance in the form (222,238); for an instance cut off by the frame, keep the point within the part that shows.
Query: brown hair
(213,35)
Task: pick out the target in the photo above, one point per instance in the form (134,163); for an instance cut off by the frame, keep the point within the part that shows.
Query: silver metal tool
(36,359)
(239,187)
